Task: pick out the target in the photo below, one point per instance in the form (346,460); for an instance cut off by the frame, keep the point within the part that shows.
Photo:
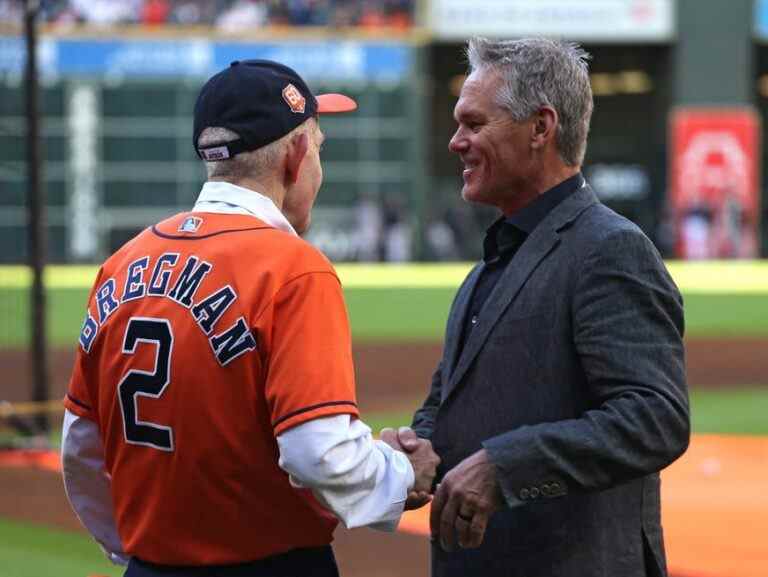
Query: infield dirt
(396,375)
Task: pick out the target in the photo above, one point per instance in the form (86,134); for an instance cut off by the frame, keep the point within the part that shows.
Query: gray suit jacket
(573,380)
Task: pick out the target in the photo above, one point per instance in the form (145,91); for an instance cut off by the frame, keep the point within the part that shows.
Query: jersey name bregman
(226,343)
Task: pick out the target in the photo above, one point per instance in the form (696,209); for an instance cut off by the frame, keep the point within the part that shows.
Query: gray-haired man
(561,392)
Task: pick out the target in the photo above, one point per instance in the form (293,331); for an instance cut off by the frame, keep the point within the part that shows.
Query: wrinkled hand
(423,459)
(464,501)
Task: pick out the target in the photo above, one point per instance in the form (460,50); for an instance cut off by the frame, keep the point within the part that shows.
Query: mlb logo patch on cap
(295,100)
(191,224)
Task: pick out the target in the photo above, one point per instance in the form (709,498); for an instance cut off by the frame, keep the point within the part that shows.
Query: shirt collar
(529,217)
(505,235)
(225,197)
(501,239)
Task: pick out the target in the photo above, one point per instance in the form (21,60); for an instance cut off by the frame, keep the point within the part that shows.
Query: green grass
(742,411)
(378,420)
(398,314)
(731,411)
(410,302)
(387,314)
(28,550)
(726,314)
(66,310)
(416,314)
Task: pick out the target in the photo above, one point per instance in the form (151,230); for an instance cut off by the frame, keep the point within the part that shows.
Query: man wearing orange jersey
(211,426)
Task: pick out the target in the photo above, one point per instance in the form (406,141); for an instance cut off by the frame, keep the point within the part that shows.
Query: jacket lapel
(535,249)
(456,322)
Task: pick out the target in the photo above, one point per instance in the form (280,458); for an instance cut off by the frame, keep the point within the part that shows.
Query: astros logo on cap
(294,99)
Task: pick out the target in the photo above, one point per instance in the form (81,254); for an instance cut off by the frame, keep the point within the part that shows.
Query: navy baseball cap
(261,101)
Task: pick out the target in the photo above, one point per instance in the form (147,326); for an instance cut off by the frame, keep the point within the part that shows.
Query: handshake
(464,501)
(423,460)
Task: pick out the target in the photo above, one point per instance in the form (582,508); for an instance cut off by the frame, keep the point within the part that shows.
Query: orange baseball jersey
(206,336)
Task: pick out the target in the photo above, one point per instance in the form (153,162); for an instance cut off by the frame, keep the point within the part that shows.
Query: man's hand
(464,501)
(423,459)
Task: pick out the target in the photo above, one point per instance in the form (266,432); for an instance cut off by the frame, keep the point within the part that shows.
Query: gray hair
(540,72)
(253,163)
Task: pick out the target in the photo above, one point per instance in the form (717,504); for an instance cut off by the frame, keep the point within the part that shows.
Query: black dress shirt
(503,239)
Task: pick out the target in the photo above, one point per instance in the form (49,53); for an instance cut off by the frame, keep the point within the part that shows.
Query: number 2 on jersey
(136,383)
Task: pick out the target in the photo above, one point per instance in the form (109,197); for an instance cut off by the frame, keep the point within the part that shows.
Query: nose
(458,143)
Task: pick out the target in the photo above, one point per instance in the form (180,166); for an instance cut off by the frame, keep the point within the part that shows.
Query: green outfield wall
(411,302)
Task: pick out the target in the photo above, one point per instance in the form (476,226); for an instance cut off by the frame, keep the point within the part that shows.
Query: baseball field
(715,509)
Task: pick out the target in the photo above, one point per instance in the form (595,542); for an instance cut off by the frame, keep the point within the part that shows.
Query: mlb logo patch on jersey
(191,224)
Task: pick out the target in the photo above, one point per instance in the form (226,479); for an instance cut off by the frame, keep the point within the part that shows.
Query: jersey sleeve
(310,373)
(80,399)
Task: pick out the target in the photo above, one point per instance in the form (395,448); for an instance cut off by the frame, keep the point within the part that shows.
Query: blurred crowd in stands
(227,15)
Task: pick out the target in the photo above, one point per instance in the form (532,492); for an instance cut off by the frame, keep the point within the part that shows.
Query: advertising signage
(350,60)
(586,20)
(715,175)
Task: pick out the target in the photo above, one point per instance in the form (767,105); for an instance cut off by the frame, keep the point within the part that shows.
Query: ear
(544,127)
(294,155)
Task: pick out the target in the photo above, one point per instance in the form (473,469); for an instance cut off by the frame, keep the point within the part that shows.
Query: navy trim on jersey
(202,236)
(312,408)
(79,403)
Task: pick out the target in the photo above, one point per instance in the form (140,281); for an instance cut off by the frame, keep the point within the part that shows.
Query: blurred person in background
(369,226)
(243,15)
(696,228)
(188,12)
(371,14)
(396,236)
(300,12)
(440,240)
(399,13)
(155,12)
(211,426)
(229,15)
(561,392)
(11,11)
(382,13)
(107,12)
(345,13)
(194,12)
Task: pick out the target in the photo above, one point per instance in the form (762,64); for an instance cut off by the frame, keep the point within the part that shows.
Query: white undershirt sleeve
(362,481)
(87,483)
